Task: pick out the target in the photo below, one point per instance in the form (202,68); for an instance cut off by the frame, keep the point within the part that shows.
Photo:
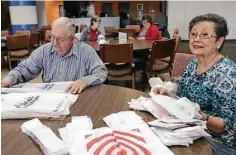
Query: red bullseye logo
(117,143)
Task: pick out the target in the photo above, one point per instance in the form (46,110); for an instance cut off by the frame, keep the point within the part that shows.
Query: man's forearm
(14,77)
(94,79)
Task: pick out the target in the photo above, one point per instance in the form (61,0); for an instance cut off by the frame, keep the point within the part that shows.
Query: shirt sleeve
(27,69)
(225,92)
(97,72)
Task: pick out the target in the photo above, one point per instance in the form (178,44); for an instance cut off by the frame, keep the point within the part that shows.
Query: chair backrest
(34,40)
(162,49)
(15,42)
(33,29)
(108,29)
(128,31)
(180,62)
(43,30)
(48,36)
(5,33)
(135,27)
(82,26)
(118,53)
(22,33)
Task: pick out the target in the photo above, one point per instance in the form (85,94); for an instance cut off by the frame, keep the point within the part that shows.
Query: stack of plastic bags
(44,137)
(178,120)
(33,103)
(132,136)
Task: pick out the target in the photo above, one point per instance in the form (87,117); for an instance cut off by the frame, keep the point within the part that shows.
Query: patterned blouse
(215,92)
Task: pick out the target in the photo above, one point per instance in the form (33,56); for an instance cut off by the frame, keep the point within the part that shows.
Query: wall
(41,13)
(52,10)
(181,13)
(147,7)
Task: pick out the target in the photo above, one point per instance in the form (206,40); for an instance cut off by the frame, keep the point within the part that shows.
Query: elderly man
(63,59)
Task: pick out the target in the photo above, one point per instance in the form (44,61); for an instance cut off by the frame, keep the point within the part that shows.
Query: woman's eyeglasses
(193,35)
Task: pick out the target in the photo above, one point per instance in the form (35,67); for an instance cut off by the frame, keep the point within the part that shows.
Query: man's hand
(76,87)
(160,91)
(4,84)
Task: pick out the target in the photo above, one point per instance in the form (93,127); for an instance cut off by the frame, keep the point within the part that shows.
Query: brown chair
(43,30)
(108,31)
(178,41)
(18,48)
(128,31)
(180,62)
(34,41)
(47,37)
(119,53)
(160,49)
(82,26)
(33,29)
(18,33)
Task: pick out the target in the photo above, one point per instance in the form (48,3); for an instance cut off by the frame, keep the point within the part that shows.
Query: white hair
(67,23)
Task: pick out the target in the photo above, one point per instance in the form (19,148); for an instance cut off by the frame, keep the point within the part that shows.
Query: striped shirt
(81,62)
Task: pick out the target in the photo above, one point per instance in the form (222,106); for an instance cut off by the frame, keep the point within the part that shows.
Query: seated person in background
(210,80)
(149,31)
(91,33)
(63,59)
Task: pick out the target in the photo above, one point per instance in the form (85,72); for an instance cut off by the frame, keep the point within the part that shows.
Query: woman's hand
(160,91)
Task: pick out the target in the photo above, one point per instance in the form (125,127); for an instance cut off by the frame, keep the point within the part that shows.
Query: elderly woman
(149,31)
(91,33)
(209,80)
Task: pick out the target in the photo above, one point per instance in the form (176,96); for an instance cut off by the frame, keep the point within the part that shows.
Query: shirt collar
(73,50)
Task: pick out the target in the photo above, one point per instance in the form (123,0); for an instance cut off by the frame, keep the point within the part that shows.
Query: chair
(128,31)
(118,53)
(18,33)
(47,37)
(160,49)
(18,48)
(108,31)
(82,26)
(34,41)
(180,62)
(178,41)
(33,29)
(43,30)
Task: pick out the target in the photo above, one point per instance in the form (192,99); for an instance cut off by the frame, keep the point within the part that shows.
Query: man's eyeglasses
(193,35)
(59,40)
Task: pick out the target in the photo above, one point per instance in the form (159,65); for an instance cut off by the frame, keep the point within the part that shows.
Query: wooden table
(138,45)
(96,102)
